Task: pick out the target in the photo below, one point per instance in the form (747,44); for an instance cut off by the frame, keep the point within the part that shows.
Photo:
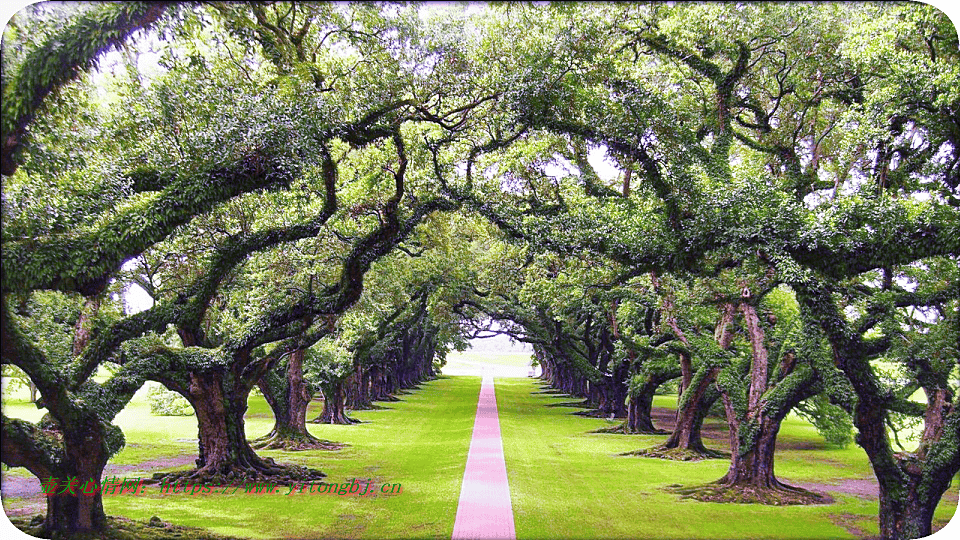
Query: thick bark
(639,412)
(613,397)
(687,433)
(83,330)
(289,398)
(333,406)
(906,510)
(639,419)
(685,442)
(911,484)
(697,395)
(359,393)
(83,512)
(82,458)
(751,466)
(753,432)
(751,477)
(70,446)
(225,457)
(223,443)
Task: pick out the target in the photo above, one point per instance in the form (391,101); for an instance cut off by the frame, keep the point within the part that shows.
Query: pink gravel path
(484,510)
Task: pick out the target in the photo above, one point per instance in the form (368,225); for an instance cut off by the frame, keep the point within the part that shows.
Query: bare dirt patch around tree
(780,495)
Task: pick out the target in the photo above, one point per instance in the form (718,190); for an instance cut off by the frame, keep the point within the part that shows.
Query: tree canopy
(760,201)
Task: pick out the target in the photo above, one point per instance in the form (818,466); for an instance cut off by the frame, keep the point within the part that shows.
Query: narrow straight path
(484,510)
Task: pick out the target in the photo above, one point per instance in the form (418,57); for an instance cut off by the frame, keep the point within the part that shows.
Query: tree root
(596,413)
(780,495)
(678,454)
(622,430)
(265,472)
(340,419)
(294,443)
(368,407)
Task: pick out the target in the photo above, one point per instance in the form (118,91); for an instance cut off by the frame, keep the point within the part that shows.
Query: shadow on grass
(575,404)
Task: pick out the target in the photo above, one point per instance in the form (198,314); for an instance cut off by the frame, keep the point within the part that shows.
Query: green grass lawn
(566,482)
(420,442)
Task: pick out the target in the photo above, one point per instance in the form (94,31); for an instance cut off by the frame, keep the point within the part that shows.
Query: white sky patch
(135,298)
(560,167)
(601,162)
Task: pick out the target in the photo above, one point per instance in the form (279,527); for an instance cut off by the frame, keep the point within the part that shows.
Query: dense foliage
(756,201)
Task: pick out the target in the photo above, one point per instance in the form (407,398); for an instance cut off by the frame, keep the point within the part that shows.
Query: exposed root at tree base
(622,430)
(678,454)
(119,528)
(577,404)
(295,444)
(343,420)
(596,413)
(368,407)
(267,471)
(782,495)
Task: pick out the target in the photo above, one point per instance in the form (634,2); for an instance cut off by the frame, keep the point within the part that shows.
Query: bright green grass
(565,482)
(568,483)
(420,442)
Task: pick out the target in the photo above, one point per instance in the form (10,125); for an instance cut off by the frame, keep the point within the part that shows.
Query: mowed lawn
(566,482)
(420,442)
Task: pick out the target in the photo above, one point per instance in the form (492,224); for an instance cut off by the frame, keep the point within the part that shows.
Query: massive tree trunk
(359,395)
(697,395)
(685,442)
(611,391)
(686,436)
(223,442)
(911,483)
(697,392)
(87,456)
(639,412)
(640,408)
(907,507)
(613,397)
(751,460)
(86,460)
(69,448)
(751,477)
(380,385)
(333,406)
(754,425)
(288,397)
(70,473)
(225,457)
